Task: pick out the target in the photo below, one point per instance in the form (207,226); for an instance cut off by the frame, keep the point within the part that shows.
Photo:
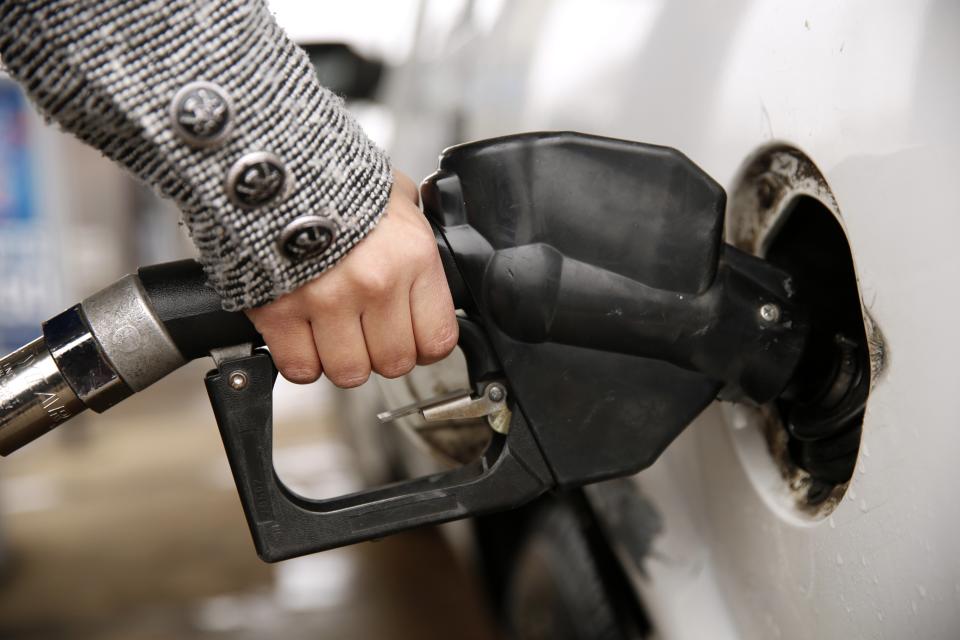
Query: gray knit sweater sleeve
(213,106)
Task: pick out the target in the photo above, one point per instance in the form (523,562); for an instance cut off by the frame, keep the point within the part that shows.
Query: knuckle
(350,376)
(396,366)
(424,251)
(442,343)
(300,373)
(374,282)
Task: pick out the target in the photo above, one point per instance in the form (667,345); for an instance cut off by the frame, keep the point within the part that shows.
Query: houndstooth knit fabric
(107,70)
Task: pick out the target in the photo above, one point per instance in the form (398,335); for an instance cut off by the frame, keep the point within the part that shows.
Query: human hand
(385,307)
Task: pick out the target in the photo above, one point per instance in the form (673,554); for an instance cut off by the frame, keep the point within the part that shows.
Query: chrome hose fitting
(91,356)
(34,396)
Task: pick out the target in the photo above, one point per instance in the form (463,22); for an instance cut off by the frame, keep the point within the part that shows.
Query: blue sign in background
(16,180)
(29,271)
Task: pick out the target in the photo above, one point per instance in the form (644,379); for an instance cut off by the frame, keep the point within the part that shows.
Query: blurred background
(127,525)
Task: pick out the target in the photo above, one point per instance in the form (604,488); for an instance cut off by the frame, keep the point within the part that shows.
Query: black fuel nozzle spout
(823,409)
(744,331)
(618,312)
(616,246)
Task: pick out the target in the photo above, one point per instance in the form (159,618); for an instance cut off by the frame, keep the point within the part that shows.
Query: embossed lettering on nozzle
(34,397)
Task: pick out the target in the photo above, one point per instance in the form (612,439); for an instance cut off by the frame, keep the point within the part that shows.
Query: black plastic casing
(192,312)
(612,303)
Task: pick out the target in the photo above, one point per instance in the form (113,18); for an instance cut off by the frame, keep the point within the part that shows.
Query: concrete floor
(127,526)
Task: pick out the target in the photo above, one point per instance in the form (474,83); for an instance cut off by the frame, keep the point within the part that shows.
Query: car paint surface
(870,91)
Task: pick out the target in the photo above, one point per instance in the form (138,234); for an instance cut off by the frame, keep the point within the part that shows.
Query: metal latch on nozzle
(459,405)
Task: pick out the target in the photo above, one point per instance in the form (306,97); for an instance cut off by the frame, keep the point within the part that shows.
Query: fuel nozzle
(115,343)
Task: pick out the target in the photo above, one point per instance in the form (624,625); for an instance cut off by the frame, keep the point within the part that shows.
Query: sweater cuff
(254,255)
(216,108)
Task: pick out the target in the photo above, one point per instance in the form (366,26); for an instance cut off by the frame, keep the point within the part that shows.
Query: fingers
(435,326)
(291,343)
(341,348)
(385,307)
(388,332)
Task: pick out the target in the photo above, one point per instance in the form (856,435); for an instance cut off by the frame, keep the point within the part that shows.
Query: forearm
(113,72)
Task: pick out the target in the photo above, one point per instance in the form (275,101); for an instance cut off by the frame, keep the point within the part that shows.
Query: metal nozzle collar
(92,355)
(133,339)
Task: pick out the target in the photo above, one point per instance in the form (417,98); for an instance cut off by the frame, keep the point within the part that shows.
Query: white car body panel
(871,92)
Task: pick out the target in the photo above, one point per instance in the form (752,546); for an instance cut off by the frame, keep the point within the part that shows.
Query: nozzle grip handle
(192,311)
(285,525)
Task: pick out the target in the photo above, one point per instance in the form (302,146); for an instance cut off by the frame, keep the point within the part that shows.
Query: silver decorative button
(307,236)
(202,114)
(257,179)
